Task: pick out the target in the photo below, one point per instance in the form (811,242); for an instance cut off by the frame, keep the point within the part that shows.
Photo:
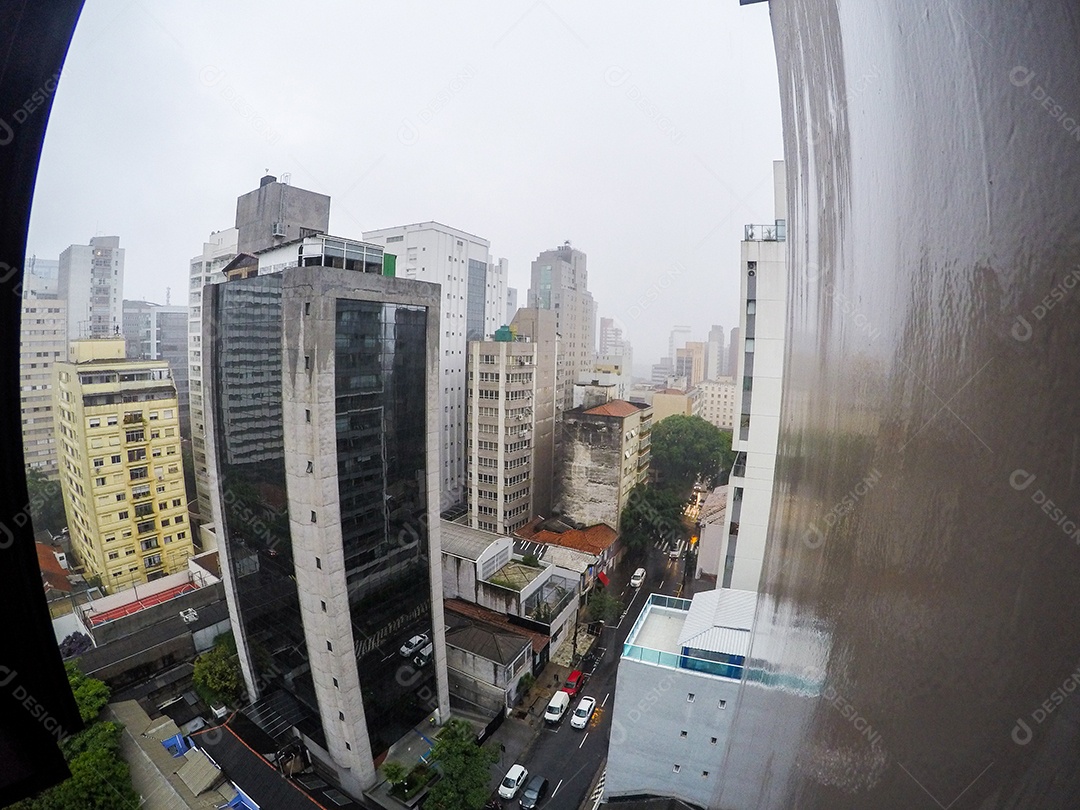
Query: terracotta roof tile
(616,407)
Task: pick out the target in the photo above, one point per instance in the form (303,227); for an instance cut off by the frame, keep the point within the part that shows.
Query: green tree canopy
(686,448)
(46,502)
(465,768)
(91,695)
(217,671)
(603,607)
(651,514)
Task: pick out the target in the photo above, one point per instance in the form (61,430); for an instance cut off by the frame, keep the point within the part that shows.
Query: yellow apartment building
(118,443)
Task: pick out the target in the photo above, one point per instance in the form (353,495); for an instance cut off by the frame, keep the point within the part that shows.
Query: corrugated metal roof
(720,621)
(465,542)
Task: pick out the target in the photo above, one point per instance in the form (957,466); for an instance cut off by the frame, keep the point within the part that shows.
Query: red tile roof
(53,574)
(616,407)
(496,621)
(593,540)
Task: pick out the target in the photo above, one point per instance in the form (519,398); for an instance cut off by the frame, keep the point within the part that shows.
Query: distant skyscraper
(473,307)
(204,269)
(679,335)
(511,303)
(156,332)
(662,371)
(43,342)
(690,362)
(716,354)
(322,390)
(91,279)
(560,282)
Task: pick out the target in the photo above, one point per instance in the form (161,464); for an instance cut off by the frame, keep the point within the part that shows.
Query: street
(567,757)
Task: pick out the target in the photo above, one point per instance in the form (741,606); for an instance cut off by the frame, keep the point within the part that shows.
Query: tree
(687,448)
(394,772)
(465,769)
(603,607)
(100,779)
(217,671)
(651,514)
(46,502)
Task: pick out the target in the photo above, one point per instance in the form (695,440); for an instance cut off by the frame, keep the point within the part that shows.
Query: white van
(560,702)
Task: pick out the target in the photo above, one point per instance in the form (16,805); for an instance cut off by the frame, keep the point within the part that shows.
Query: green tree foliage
(651,514)
(686,448)
(100,779)
(91,695)
(217,671)
(46,502)
(603,607)
(465,768)
(395,772)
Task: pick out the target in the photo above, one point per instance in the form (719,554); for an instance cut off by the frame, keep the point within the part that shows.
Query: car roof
(639,571)
(535,782)
(515,769)
(573,676)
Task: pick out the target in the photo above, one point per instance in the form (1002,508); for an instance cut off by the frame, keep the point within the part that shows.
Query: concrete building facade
(675,401)
(679,678)
(716,354)
(718,402)
(560,282)
(690,361)
(91,280)
(121,474)
(606,454)
(322,392)
(474,300)
(43,341)
(760,370)
(157,332)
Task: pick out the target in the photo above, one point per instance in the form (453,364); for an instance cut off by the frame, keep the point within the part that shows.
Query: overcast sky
(642,132)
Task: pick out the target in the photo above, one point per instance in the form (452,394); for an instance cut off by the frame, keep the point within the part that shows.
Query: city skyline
(239,121)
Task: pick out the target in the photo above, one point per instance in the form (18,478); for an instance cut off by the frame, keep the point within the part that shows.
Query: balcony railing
(766,233)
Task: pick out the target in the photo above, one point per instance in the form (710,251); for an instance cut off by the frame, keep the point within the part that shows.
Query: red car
(574,681)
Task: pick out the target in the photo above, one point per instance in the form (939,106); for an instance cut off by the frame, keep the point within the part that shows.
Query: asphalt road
(569,757)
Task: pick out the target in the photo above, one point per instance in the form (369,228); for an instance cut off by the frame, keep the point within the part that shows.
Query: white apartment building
(474,303)
(42,342)
(218,251)
(763,268)
(91,279)
(718,402)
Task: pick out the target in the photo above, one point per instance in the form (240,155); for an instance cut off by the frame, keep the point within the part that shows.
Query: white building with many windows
(763,269)
(717,402)
(474,302)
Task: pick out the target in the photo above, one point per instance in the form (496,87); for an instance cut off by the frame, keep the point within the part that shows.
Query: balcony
(776,232)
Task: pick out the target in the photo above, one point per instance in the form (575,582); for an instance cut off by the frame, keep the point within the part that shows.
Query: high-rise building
(43,341)
(690,362)
(678,337)
(606,451)
(717,402)
(538,327)
(118,434)
(681,671)
(505,436)
(157,332)
(322,390)
(473,307)
(662,370)
(91,280)
(511,303)
(204,269)
(760,368)
(716,355)
(560,282)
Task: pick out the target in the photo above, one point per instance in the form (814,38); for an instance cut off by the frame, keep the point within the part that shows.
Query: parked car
(512,782)
(574,681)
(638,578)
(583,712)
(557,707)
(414,645)
(534,793)
(424,656)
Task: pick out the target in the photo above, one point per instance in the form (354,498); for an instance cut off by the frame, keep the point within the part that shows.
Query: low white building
(680,673)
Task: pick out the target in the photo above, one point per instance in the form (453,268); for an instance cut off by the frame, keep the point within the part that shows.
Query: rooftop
(464,541)
(515,575)
(714,507)
(497,621)
(53,574)
(487,641)
(592,540)
(617,407)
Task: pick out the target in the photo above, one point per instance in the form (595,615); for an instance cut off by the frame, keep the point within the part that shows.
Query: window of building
(116,459)
(99,462)
(705,774)
(690,697)
(329,647)
(722,704)
(318,564)
(314,518)
(122,515)
(676,768)
(682,733)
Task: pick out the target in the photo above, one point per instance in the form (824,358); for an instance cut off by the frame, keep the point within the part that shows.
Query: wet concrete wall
(918,633)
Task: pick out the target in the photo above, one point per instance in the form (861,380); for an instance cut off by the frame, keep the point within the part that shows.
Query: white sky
(643,132)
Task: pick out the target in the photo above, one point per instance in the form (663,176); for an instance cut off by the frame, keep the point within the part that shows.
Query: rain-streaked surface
(920,614)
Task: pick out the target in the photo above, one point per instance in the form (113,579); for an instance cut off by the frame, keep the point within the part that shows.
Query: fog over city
(643,135)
